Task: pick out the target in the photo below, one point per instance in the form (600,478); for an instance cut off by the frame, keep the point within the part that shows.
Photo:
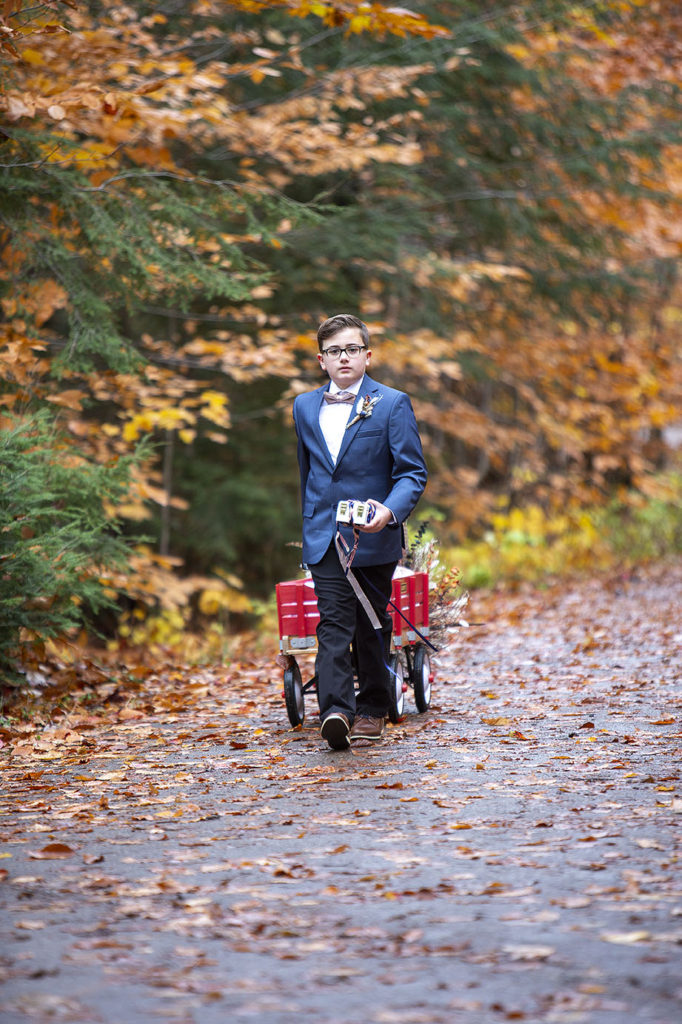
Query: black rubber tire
(293,694)
(396,709)
(421,678)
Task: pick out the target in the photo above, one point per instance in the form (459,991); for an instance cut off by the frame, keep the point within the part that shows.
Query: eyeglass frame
(337,355)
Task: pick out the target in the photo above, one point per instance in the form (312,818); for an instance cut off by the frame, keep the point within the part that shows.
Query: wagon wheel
(397,706)
(293,693)
(422,678)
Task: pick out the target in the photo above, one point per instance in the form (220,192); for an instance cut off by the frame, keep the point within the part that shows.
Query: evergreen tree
(57,541)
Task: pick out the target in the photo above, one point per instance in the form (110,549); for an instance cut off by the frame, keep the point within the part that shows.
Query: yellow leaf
(215,408)
(142,422)
(220,597)
(171,418)
(216,399)
(32,56)
(360,23)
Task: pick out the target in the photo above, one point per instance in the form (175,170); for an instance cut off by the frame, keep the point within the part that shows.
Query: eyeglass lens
(351,350)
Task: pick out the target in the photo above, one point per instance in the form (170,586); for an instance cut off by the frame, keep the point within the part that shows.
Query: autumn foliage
(185,192)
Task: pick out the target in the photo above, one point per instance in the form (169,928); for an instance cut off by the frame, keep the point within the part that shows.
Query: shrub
(529,544)
(57,538)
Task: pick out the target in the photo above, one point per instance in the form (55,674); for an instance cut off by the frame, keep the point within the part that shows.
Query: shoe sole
(335,732)
(361,736)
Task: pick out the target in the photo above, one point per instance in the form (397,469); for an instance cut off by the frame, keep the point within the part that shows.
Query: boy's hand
(382,517)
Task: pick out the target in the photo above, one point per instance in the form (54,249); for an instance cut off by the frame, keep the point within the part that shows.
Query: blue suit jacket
(381,457)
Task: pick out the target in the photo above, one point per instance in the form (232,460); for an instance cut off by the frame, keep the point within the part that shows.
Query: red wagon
(409,660)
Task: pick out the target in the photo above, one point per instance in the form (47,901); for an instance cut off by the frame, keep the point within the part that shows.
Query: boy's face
(344,369)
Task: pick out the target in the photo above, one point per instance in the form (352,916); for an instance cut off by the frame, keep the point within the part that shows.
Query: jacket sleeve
(303,456)
(409,473)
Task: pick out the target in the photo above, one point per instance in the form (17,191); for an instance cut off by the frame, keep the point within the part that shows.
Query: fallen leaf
(625,938)
(53,851)
(129,714)
(529,952)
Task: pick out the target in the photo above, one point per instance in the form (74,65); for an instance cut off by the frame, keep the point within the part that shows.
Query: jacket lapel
(319,436)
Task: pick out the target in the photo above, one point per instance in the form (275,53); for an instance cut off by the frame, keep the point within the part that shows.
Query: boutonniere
(364,409)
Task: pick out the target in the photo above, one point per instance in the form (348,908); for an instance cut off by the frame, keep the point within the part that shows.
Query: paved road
(513,854)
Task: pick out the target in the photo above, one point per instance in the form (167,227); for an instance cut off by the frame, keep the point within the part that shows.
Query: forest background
(187,189)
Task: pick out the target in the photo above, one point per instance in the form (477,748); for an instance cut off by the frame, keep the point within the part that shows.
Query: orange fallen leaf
(128,714)
(53,851)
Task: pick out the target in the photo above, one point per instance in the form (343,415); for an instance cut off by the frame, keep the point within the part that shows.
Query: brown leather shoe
(367,728)
(335,730)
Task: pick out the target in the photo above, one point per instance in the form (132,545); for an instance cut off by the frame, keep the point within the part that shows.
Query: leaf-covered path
(176,853)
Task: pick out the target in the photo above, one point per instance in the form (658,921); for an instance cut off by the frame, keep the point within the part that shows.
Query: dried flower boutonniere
(364,409)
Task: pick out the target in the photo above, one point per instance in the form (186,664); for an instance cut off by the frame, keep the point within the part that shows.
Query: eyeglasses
(351,351)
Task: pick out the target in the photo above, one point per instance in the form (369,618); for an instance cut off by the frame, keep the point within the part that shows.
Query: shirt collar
(354,388)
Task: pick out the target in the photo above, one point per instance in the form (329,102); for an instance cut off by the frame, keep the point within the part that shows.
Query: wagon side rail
(298,615)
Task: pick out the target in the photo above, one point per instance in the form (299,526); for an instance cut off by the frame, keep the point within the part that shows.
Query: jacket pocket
(308,510)
(368,433)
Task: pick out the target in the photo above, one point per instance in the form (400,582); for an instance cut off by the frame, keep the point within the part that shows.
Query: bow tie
(340,396)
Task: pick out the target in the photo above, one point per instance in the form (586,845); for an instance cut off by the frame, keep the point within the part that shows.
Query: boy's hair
(334,324)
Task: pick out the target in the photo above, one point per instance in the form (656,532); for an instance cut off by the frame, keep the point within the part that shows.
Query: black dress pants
(343,621)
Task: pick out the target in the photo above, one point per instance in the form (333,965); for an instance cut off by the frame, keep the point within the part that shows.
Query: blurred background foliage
(187,189)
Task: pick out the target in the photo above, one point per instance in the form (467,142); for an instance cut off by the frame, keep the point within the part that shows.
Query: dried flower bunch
(447,600)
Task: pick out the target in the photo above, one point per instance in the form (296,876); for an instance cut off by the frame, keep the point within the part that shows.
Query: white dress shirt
(334,417)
